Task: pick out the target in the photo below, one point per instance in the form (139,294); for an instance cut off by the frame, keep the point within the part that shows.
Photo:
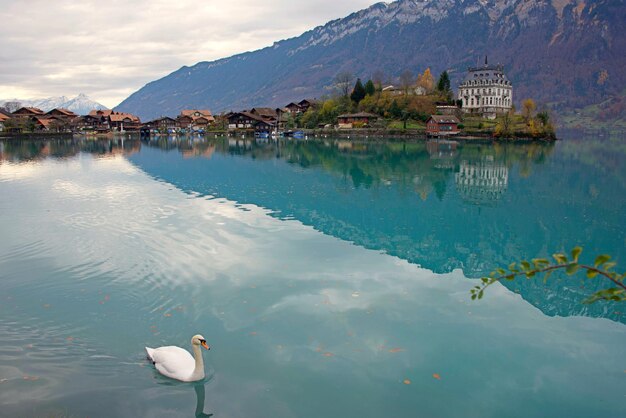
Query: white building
(486,91)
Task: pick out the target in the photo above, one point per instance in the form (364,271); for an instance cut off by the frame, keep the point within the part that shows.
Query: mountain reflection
(442,205)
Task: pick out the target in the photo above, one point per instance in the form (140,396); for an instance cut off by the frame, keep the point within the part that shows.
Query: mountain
(563,53)
(81,104)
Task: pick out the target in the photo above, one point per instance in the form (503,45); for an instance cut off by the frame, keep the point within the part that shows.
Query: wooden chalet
(195,119)
(306,104)
(347,121)
(293,108)
(120,122)
(249,121)
(266,113)
(442,125)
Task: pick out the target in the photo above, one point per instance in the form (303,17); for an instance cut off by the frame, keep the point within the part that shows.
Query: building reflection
(481,182)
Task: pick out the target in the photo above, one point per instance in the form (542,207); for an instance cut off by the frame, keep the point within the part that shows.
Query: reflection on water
(99,259)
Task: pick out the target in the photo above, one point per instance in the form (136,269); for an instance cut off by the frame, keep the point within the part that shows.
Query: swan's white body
(177,363)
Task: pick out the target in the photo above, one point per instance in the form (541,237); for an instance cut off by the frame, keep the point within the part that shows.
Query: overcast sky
(109,49)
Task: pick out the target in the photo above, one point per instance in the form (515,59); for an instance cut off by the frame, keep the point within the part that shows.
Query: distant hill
(565,53)
(81,104)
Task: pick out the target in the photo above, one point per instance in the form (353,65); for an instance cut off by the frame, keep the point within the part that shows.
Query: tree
(343,82)
(358,93)
(394,109)
(406,80)
(426,81)
(601,267)
(505,125)
(528,109)
(12,106)
(370,89)
(443,85)
(378,78)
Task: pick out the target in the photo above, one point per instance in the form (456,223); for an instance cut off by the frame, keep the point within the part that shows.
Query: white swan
(177,363)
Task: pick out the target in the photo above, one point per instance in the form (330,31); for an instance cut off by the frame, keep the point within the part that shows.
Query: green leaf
(601,259)
(501,271)
(591,274)
(510,277)
(547,276)
(612,294)
(572,268)
(576,252)
(560,258)
(530,274)
(512,266)
(609,266)
(525,265)
(473,297)
(540,261)
(480,294)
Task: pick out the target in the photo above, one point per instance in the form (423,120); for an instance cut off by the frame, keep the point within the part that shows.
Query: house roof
(104,112)
(32,110)
(445,119)
(191,112)
(4,117)
(65,112)
(490,73)
(265,111)
(252,116)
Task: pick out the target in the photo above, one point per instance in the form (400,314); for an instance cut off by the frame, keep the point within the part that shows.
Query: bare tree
(12,106)
(406,80)
(344,82)
(378,78)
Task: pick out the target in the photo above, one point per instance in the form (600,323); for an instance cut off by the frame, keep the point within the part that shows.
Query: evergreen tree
(443,85)
(370,89)
(394,109)
(358,93)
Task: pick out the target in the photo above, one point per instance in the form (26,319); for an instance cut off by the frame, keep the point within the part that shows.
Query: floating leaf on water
(406,381)
(436,376)
(253,333)
(46,305)
(167,315)
(328,354)
(107,297)
(70,338)
(396,350)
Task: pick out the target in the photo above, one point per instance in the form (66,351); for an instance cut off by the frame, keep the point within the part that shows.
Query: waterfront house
(164,124)
(249,121)
(195,119)
(486,91)
(119,121)
(348,121)
(442,125)
(266,113)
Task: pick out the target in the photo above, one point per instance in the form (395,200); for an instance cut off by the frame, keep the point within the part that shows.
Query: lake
(330,277)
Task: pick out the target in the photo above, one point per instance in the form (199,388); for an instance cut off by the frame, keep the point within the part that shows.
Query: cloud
(110,49)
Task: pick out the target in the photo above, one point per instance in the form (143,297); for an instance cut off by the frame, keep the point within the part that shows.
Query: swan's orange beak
(205,345)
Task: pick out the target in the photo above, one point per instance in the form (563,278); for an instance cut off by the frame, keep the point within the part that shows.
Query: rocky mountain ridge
(563,53)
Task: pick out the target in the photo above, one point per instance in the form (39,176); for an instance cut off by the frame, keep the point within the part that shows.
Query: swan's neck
(198,370)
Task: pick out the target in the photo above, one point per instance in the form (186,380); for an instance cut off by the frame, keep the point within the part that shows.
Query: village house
(293,108)
(27,112)
(195,119)
(249,121)
(351,120)
(442,125)
(486,91)
(306,104)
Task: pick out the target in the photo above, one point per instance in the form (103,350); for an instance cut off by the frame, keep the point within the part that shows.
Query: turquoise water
(331,278)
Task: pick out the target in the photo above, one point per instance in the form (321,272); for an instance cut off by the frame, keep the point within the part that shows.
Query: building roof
(103,112)
(266,112)
(4,117)
(65,112)
(445,119)
(489,73)
(32,110)
(252,116)
(191,112)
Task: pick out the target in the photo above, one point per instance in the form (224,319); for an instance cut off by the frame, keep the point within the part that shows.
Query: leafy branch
(602,267)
